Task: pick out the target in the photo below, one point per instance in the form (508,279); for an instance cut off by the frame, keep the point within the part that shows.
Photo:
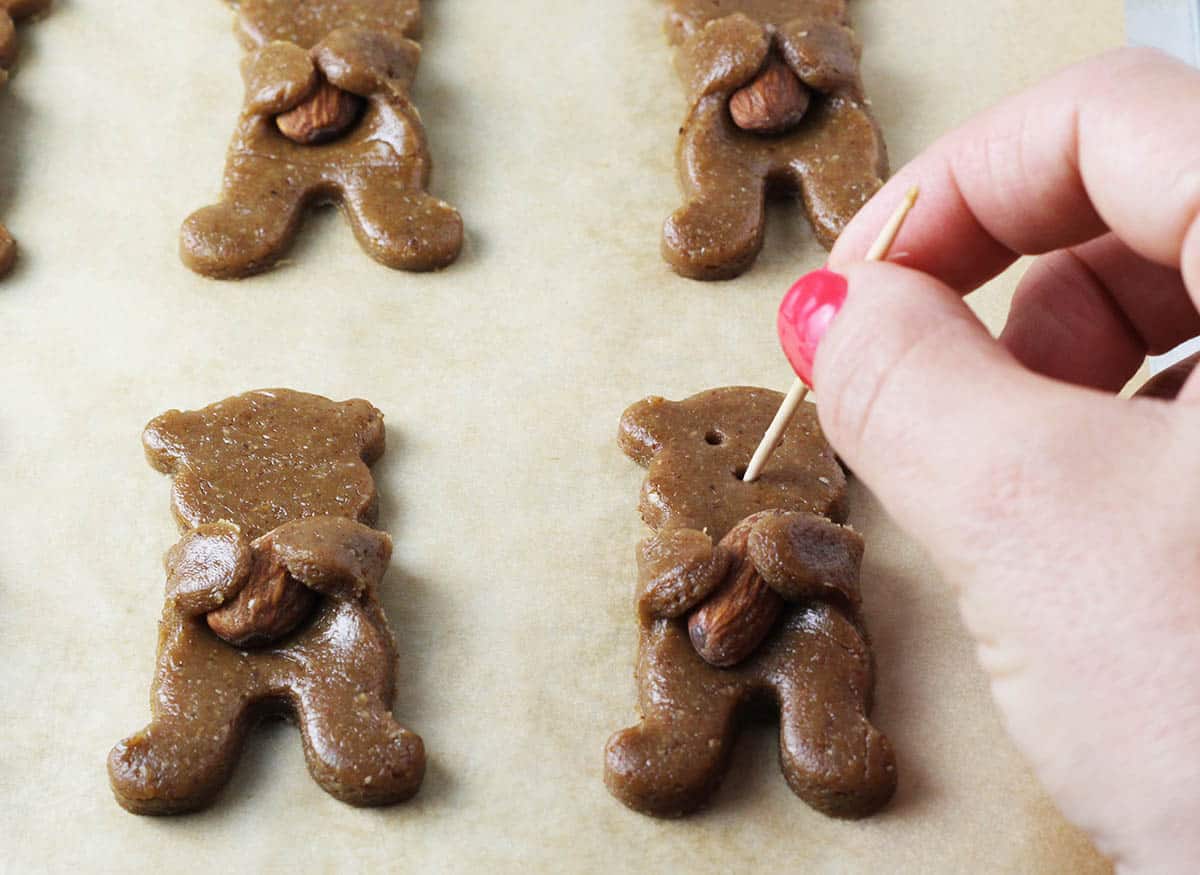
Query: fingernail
(804,316)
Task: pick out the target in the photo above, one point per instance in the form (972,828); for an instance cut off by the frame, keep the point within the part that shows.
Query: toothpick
(783,418)
(796,395)
(879,249)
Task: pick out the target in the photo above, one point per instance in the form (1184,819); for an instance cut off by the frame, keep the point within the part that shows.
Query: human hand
(1067,517)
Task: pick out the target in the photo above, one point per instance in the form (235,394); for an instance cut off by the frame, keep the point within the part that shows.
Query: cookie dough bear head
(695,452)
(270,457)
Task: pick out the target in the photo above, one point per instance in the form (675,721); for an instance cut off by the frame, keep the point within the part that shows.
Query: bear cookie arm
(771,576)
(775,101)
(326,117)
(12,11)
(272,605)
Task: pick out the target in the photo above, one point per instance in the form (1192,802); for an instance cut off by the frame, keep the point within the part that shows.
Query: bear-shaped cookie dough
(775,101)
(327,118)
(748,595)
(12,11)
(272,604)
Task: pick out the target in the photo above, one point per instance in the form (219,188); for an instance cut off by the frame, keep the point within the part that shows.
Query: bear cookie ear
(647,426)
(163,442)
(365,423)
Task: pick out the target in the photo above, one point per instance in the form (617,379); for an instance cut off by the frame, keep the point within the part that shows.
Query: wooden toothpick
(796,395)
(783,418)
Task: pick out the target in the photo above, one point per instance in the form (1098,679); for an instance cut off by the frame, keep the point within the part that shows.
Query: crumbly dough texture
(377,170)
(12,11)
(268,457)
(835,158)
(271,480)
(815,665)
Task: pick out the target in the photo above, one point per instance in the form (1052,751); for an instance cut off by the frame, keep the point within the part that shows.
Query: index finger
(1107,144)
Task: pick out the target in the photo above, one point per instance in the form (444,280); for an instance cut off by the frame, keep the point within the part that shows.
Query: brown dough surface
(306,22)
(815,666)
(696,450)
(273,479)
(835,157)
(377,170)
(686,17)
(267,457)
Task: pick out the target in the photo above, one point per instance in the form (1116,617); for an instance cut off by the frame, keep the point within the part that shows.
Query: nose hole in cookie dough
(739,472)
(714,438)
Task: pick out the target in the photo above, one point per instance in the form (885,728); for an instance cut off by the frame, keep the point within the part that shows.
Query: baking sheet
(502,378)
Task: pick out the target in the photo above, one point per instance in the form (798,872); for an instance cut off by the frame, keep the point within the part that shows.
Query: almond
(773,102)
(729,626)
(327,114)
(735,619)
(270,605)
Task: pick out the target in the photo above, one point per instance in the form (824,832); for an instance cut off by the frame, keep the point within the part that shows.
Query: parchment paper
(513,512)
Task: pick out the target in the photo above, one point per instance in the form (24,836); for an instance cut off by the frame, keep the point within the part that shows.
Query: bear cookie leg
(670,763)
(830,754)
(167,769)
(385,762)
(176,764)
(398,223)
(718,232)
(832,199)
(242,234)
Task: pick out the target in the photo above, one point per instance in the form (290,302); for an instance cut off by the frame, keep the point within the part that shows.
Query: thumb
(918,398)
(1066,517)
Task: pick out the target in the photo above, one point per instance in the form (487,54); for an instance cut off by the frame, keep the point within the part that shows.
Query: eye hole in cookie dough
(714,438)
(739,472)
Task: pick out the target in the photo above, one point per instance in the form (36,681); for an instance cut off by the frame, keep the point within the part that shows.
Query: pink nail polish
(804,316)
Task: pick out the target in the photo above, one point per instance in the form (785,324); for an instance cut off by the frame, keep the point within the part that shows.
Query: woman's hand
(1069,518)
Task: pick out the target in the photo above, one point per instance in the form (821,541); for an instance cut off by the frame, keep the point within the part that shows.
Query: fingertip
(804,316)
